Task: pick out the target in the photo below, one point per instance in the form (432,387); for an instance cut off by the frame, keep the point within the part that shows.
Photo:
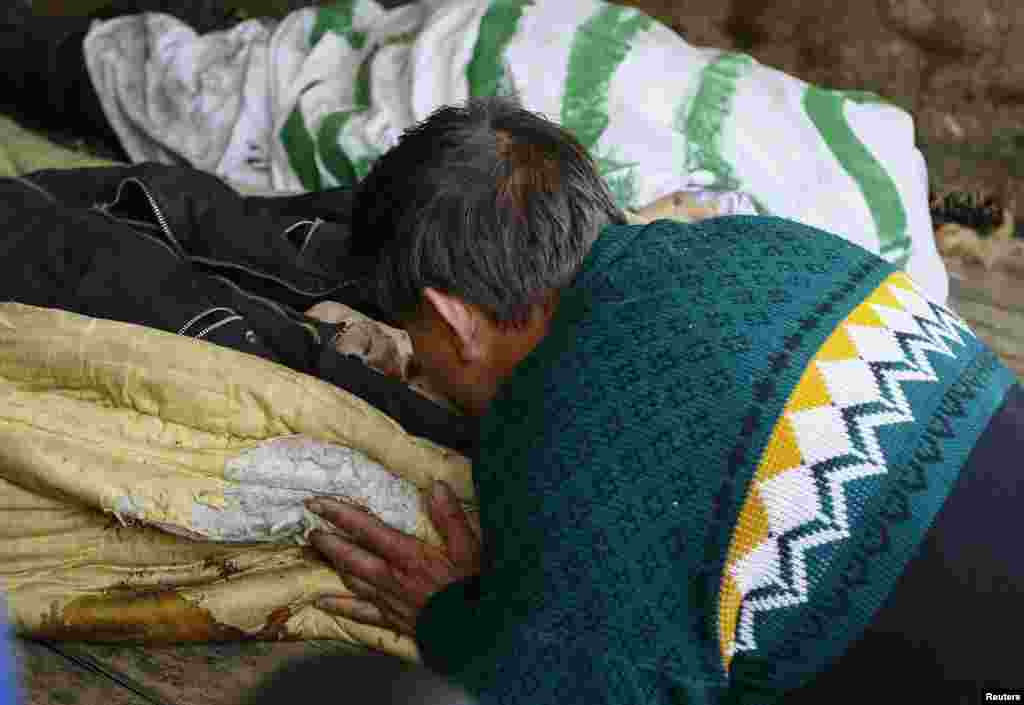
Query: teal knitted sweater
(706,479)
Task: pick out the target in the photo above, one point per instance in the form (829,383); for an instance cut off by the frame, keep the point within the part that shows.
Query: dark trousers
(952,627)
(357,679)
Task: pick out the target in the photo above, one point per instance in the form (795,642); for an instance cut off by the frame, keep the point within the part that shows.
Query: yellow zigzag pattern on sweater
(765,553)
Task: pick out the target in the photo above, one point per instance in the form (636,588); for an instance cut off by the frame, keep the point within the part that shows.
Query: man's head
(472,224)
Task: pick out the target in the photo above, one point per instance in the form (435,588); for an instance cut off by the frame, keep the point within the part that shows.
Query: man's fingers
(451,523)
(367,530)
(353,608)
(366,613)
(366,592)
(359,587)
(396,572)
(348,558)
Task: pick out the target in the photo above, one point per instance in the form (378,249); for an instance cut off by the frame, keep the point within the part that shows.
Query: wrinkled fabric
(151,485)
(76,563)
(175,248)
(312,101)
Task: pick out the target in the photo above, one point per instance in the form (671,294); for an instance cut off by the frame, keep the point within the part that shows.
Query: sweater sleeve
(579,599)
(439,645)
(529,662)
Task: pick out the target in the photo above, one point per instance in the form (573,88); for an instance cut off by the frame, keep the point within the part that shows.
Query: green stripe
(598,49)
(337,19)
(825,109)
(300,145)
(497,28)
(362,166)
(361,94)
(301,150)
(703,119)
(346,171)
(331,154)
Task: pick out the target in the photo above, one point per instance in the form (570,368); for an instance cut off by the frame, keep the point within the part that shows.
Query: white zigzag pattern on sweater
(910,333)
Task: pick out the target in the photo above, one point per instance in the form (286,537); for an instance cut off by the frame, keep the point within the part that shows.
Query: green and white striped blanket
(311,101)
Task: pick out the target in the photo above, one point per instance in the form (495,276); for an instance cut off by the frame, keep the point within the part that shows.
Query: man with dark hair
(730,461)
(487,168)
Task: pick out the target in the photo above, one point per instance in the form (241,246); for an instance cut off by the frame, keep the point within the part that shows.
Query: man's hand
(392,574)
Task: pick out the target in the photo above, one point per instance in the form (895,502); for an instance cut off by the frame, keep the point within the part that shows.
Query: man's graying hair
(488,202)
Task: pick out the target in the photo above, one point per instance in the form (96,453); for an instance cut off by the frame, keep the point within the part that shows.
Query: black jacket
(175,248)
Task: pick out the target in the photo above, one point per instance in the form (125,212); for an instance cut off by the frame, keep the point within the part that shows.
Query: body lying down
(164,417)
(312,101)
(109,428)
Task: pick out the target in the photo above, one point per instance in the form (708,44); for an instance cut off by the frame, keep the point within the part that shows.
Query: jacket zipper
(288,230)
(103,208)
(152,238)
(213,326)
(309,235)
(37,187)
(313,226)
(160,217)
(264,275)
(159,213)
(165,227)
(219,324)
(278,308)
(195,319)
(284,312)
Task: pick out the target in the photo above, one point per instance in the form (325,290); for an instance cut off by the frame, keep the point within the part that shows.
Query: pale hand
(392,574)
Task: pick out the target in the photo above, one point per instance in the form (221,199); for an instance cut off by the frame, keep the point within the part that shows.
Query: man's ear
(464,320)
